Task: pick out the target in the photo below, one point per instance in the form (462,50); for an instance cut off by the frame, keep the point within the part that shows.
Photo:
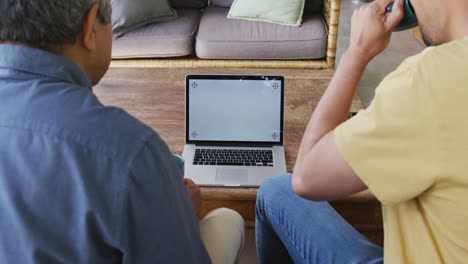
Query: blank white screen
(235,110)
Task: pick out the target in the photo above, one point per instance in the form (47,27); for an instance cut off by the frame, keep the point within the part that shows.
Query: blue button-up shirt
(81,182)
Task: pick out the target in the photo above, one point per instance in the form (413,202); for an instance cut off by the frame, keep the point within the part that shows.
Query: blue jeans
(290,229)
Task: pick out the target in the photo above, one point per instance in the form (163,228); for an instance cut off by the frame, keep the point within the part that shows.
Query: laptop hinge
(244,144)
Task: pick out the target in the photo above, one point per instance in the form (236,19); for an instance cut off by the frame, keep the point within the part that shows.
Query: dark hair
(47,23)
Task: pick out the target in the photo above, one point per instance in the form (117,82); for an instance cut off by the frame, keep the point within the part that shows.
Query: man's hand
(195,195)
(371,27)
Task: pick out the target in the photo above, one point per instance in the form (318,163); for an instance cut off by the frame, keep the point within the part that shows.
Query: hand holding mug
(409,19)
(372,25)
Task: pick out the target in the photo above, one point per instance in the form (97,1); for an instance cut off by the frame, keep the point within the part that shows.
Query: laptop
(233,129)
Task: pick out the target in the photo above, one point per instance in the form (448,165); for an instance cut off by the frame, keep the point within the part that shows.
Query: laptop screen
(234,109)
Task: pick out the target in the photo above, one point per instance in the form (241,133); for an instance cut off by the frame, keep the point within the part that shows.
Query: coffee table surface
(156,96)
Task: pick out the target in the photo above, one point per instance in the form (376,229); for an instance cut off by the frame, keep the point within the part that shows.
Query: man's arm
(321,173)
(195,195)
(158,222)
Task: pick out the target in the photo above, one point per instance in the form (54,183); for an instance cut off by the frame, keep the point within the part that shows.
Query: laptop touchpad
(232,176)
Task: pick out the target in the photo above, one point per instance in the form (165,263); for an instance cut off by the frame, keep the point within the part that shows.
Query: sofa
(203,36)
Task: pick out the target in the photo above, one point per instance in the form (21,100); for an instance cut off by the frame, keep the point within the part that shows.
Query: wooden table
(156,96)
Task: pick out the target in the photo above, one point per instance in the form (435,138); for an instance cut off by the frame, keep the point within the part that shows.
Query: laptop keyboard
(233,157)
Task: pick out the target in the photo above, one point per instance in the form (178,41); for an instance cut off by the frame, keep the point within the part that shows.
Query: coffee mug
(409,19)
(180,162)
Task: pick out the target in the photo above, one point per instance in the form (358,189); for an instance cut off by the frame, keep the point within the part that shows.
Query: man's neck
(458,21)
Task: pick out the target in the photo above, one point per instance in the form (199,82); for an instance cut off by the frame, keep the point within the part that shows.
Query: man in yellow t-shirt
(408,147)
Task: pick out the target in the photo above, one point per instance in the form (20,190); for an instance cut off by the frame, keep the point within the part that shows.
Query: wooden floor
(156,96)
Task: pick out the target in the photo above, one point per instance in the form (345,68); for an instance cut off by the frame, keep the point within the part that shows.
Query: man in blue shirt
(81,182)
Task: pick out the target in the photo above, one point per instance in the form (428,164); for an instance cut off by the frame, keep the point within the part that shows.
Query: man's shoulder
(71,114)
(451,57)
(430,72)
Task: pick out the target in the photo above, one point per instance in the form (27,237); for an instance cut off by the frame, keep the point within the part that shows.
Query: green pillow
(128,15)
(284,12)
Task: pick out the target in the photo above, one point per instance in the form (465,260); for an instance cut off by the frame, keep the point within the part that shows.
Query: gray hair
(47,23)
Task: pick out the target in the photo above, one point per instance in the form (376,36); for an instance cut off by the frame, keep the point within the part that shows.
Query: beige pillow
(284,12)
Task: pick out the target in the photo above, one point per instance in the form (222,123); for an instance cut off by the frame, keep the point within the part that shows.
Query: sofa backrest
(311,6)
(222,3)
(189,3)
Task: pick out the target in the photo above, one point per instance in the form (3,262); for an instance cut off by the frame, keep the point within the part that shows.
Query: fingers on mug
(409,19)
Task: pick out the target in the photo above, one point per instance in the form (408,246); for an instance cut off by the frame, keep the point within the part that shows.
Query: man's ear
(88,28)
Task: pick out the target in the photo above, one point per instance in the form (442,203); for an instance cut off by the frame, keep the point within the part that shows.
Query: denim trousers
(290,229)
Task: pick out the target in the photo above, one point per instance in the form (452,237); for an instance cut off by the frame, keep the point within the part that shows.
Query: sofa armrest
(331,13)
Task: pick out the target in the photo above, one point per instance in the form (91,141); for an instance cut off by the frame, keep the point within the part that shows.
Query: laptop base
(232,176)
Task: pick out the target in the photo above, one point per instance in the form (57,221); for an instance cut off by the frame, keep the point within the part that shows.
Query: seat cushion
(222,38)
(166,39)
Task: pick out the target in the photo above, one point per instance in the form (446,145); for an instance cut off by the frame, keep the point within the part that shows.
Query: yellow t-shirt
(410,147)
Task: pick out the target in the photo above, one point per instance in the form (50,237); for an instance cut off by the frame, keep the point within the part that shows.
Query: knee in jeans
(275,184)
(271,187)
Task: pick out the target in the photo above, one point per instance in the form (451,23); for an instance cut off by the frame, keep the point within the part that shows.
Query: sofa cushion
(189,3)
(166,39)
(128,15)
(283,12)
(311,6)
(259,40)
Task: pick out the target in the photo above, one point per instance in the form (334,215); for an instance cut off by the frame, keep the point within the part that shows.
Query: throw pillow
(128,15)
(284,12)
